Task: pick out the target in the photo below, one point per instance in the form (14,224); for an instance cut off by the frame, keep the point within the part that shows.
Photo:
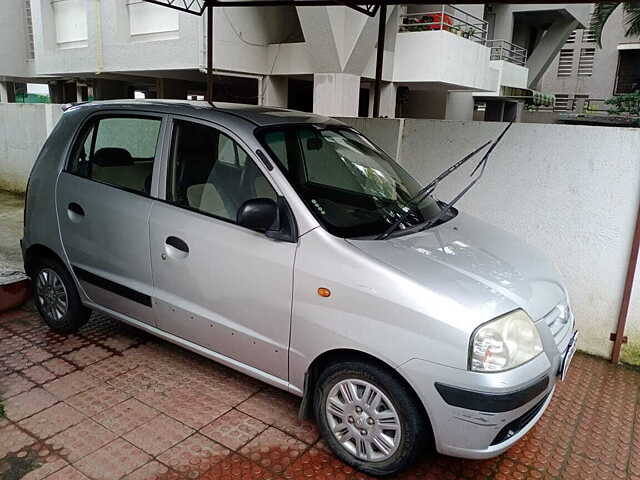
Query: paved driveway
(112,402)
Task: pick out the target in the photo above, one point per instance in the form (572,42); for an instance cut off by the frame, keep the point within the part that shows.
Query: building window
(628,76)
(565,63)
(70,18)
(572,37)
(588,36)
(147,19)
(585,62)
(562,102)
(29,29)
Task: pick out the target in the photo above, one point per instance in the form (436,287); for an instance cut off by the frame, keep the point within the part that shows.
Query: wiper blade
(481,165)
(427,190)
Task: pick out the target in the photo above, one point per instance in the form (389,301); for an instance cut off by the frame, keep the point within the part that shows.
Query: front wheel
(369,418)
(56,297)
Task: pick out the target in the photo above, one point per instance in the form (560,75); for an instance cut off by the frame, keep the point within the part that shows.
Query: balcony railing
(448,18)
(503,50)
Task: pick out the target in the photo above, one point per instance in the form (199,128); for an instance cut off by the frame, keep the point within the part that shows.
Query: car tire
(56,297)
(358,419)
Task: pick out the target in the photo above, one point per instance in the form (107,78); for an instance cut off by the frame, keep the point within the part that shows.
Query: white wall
(571,191)
(23,130)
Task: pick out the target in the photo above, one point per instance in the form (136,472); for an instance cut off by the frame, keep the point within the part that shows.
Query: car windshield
(351,186)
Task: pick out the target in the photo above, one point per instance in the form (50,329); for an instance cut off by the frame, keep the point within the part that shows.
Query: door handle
(177,243)
(75,212)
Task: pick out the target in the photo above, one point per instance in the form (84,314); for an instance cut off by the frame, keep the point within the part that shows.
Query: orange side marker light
(324,292)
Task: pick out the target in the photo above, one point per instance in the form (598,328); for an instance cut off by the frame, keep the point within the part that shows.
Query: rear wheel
(56,297)
(369,418)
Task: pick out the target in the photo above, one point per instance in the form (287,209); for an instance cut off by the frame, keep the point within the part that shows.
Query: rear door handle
(177,243)
(77,209)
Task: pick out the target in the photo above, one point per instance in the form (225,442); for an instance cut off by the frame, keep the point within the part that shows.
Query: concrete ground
(11,211)
(112,402)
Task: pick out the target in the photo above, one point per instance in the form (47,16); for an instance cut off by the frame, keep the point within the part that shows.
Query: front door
(218,284)
(103,203)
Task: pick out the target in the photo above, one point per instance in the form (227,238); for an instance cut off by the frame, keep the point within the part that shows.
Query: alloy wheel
(51,294)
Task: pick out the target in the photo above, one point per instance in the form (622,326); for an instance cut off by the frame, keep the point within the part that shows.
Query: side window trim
(92,121)
(167,158)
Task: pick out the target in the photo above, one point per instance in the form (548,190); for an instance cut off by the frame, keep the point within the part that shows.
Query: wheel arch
(344,354)
(36,252)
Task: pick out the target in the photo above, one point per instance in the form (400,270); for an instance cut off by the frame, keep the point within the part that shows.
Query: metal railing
(503,50)
(574,105)
(448,18)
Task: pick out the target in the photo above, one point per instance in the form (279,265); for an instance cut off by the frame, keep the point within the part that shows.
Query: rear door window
(118,151)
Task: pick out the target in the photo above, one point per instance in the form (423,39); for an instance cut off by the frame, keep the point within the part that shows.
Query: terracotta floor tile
(58,366)
(68,344)
(191,407)
(112,461)
(37,354)
(68,473)
(52,420)
(153,471)
(109,368)
(234,429)
(13,384)
(28,403)
(280,409)
(194,456)
(87,355)
(236,467)
(318,464)
(140,379)
(71,384)
(274,450)
(126,416)
(16,361)
(158,435)
(31,462)
(81,440)
(38,374)
(13,344)
(95,400)
(13,439)
(46,469)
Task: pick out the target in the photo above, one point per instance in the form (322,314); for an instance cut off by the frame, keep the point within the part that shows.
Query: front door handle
(178,244)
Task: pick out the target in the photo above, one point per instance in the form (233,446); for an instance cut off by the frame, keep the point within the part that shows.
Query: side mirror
(260,214)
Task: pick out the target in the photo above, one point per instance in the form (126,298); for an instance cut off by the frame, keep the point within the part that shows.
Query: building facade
(439,60)
(582,75)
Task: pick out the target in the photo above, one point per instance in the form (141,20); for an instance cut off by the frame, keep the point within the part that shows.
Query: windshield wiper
(427,190)
(481,165)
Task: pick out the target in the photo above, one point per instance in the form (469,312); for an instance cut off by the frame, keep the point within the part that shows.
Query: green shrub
(625,103)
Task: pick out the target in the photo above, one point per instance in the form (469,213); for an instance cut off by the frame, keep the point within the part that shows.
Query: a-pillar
(275,91)
(336,94)
(7,92)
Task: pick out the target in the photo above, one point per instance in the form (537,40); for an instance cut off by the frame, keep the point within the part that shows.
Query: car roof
(258,115)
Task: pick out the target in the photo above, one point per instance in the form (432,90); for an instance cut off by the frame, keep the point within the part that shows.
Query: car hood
(482,268)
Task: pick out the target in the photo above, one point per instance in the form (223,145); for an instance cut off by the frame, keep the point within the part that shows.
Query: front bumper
(483,414)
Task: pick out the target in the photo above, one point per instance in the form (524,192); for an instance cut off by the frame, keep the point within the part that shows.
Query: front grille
(559,321)
(519,423)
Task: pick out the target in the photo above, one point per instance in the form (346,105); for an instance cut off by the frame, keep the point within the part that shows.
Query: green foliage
(31,98)
(626,103)
(1,409)
(603,10)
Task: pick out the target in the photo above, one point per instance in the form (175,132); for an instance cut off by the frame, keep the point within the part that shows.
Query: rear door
(104,201)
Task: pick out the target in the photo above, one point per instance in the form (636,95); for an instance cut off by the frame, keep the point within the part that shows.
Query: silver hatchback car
(289,247)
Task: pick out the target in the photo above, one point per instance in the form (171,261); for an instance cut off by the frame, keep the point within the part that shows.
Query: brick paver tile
(230,390)
(13,344)
(126,416)
(112,461)
(13,384)
(159,434)
(76,382)
(58,366)
(28,403)
(280,409)
(236,467)
(67,344)
(135,381)
(196,454)
(47,466)
(81,440)
(186,405)
(319,464)
(68,473)
(95,400)
(234,429)
(16,361)
(37,354)
(52,420)
(154,471)
(274,450)
(13,439)
(109,368)
(38,374)
(119,342)
(87,355)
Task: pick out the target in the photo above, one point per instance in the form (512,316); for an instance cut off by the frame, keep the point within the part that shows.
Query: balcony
(507,51)
(449,19)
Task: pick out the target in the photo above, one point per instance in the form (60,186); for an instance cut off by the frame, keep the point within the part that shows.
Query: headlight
(504,343)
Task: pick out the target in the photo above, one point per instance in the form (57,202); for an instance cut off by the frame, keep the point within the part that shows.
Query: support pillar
(336,94)
(459,106)
(275,89)
(7,92)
